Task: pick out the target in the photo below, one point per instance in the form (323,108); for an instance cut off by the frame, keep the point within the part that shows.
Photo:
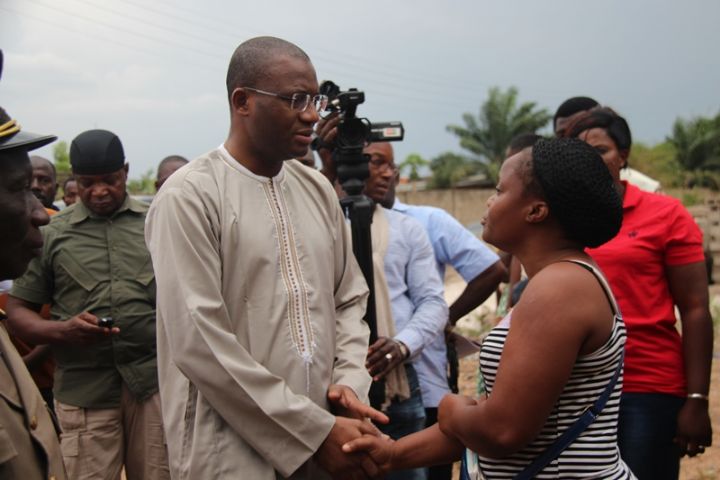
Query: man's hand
(383,356)
(326,130)
(83,329)
(339,464)
(345,403)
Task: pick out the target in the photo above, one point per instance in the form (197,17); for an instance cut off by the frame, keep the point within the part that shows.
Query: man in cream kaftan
(260,299)
(260,306)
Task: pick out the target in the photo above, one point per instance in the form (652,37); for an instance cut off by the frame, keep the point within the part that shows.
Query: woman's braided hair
(572,177)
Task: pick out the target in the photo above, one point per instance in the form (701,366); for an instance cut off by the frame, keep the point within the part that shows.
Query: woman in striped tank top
(554,354)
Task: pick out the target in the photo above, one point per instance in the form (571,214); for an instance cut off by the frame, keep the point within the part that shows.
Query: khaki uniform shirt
(100,265)
(29,448)
(260,306)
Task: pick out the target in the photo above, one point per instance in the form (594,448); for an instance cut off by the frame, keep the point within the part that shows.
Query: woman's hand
(380,450)
(694,432)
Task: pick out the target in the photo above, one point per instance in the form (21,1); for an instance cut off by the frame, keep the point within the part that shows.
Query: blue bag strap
(464,475)
(573,431)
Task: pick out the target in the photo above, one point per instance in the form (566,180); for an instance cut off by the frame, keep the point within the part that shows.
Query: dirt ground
(703,467)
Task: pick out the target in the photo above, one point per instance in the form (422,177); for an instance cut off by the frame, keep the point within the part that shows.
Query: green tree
(658,161)
(143,186)
(449,168)
(697,145)
(413,162)
(500,118)
(62,158)
(697,142)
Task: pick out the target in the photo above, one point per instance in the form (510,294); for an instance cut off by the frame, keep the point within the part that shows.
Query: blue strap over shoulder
(574,431)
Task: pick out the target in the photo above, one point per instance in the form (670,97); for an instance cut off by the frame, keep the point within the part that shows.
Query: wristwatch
(404,350)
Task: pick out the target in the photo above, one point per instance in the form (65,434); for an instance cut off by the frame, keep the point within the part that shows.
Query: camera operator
(411,311)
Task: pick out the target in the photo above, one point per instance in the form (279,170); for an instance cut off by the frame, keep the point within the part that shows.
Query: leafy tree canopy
(500,118)
(61,158)
(657,161)
(697,143)
(697,146)
(449,168)
(145,185)
(413,163)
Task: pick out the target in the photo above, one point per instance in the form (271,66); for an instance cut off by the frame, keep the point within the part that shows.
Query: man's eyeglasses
(383,166)
(298,101)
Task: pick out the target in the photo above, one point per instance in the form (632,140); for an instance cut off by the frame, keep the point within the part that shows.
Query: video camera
(353,134)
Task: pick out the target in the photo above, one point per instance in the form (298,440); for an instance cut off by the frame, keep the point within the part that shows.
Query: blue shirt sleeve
(416,291)
(457,246)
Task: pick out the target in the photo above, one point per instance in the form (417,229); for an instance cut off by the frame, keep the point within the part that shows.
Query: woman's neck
(533,262)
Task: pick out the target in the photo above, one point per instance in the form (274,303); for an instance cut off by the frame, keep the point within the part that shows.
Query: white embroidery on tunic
(301,330)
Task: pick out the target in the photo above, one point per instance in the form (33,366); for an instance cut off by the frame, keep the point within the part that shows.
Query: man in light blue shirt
(418,308)
(416,293)
(474,261)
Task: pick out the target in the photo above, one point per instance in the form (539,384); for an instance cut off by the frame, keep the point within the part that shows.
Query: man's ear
(537,212)
(239,101)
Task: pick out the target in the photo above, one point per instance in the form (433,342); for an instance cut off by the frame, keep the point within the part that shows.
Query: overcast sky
(154,71)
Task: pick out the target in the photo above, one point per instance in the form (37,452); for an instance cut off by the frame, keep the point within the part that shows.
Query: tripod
(359,209)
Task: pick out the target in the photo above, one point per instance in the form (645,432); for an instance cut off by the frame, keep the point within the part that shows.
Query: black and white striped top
(594,454)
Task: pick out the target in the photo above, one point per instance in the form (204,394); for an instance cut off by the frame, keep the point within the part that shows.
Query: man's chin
(42,199)
(15,267)
(102,210)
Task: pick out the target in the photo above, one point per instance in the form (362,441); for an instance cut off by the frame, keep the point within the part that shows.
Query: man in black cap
(29,445)
(96,274)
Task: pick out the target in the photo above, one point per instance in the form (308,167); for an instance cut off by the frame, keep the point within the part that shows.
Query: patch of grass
(690,198)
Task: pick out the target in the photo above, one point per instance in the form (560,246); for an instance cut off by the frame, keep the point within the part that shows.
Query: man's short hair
(171,159)
(68,180)
(522,141)
(35,158)
(248,62)
(572,106)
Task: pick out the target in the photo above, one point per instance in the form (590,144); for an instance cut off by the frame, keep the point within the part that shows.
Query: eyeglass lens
(300,102)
